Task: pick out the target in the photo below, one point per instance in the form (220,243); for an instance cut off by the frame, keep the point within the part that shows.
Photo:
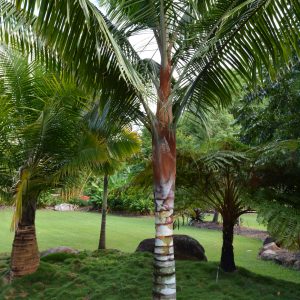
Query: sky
(144,42)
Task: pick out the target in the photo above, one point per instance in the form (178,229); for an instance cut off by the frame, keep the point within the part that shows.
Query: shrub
(131,200)
(79,202)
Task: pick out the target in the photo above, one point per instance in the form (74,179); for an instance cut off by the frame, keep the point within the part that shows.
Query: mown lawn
(81,231)
(248,220)
(113,275)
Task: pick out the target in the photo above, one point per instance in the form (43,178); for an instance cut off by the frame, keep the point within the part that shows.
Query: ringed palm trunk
(227,257)
(25,257)
(164,171)
(102,243)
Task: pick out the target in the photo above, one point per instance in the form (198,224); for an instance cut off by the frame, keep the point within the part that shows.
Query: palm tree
(214,177)
(129,145)
(47,133)
(218,177)
(121,144)
(209,45)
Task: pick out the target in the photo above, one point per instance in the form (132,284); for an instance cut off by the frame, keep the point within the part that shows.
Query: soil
(238,230)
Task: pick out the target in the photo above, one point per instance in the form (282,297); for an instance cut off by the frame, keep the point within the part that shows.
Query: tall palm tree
(208,44)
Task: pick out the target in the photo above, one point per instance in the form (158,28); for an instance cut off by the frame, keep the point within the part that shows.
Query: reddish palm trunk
(25,257)
(102,244)
(164,170)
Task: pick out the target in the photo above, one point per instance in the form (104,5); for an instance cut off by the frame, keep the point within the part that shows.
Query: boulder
(297,265)
(271,246)
(185,248)
(269,240)
(60,249)
(65,207)
(280,256)
(268,255)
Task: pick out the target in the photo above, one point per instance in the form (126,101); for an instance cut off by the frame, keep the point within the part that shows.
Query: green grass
(248,220)
(113,275)
(81,231)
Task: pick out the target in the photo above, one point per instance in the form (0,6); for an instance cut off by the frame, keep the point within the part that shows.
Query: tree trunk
(216,217)
(164,167)
(102,244)
(227,257)
(164,172)
(25,258)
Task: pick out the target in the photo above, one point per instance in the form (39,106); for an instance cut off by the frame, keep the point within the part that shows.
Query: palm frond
(232,42)
(87,46)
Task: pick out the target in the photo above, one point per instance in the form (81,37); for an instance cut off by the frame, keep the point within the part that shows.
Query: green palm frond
(49,134)
(232,42)
(87,47)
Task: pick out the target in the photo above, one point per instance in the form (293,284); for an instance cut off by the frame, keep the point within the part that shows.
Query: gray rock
(280,256)
(60,249)
(269,240)
(297,265)
(185,248)
(268,255)
(65,207)
(271,246)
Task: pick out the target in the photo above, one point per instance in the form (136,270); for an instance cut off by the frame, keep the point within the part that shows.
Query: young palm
(46,141)
(209,45)
(121,144)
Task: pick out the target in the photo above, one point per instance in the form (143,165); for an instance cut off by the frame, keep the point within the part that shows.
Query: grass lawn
(113,275)
(81,231)
(248,220)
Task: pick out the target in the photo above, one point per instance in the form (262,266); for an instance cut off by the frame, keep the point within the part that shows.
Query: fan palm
(210,45)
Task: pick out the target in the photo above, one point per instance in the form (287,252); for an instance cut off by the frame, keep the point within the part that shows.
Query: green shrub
(79,202)
(131,200)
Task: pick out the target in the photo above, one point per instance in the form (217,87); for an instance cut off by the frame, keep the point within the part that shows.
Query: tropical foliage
(275,190)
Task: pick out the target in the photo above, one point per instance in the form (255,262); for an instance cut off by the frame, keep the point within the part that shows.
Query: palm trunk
(25,257)
(216,217)
(164,172)
(102,244)
(164,169)
(227,257)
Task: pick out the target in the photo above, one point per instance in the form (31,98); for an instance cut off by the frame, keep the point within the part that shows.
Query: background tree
(269,119)
(271,112)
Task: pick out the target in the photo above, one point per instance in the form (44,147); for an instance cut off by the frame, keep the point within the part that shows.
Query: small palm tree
(46,130)
(121,144)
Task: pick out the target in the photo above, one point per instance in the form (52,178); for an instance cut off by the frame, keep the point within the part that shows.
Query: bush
(130,200)
(79,202)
